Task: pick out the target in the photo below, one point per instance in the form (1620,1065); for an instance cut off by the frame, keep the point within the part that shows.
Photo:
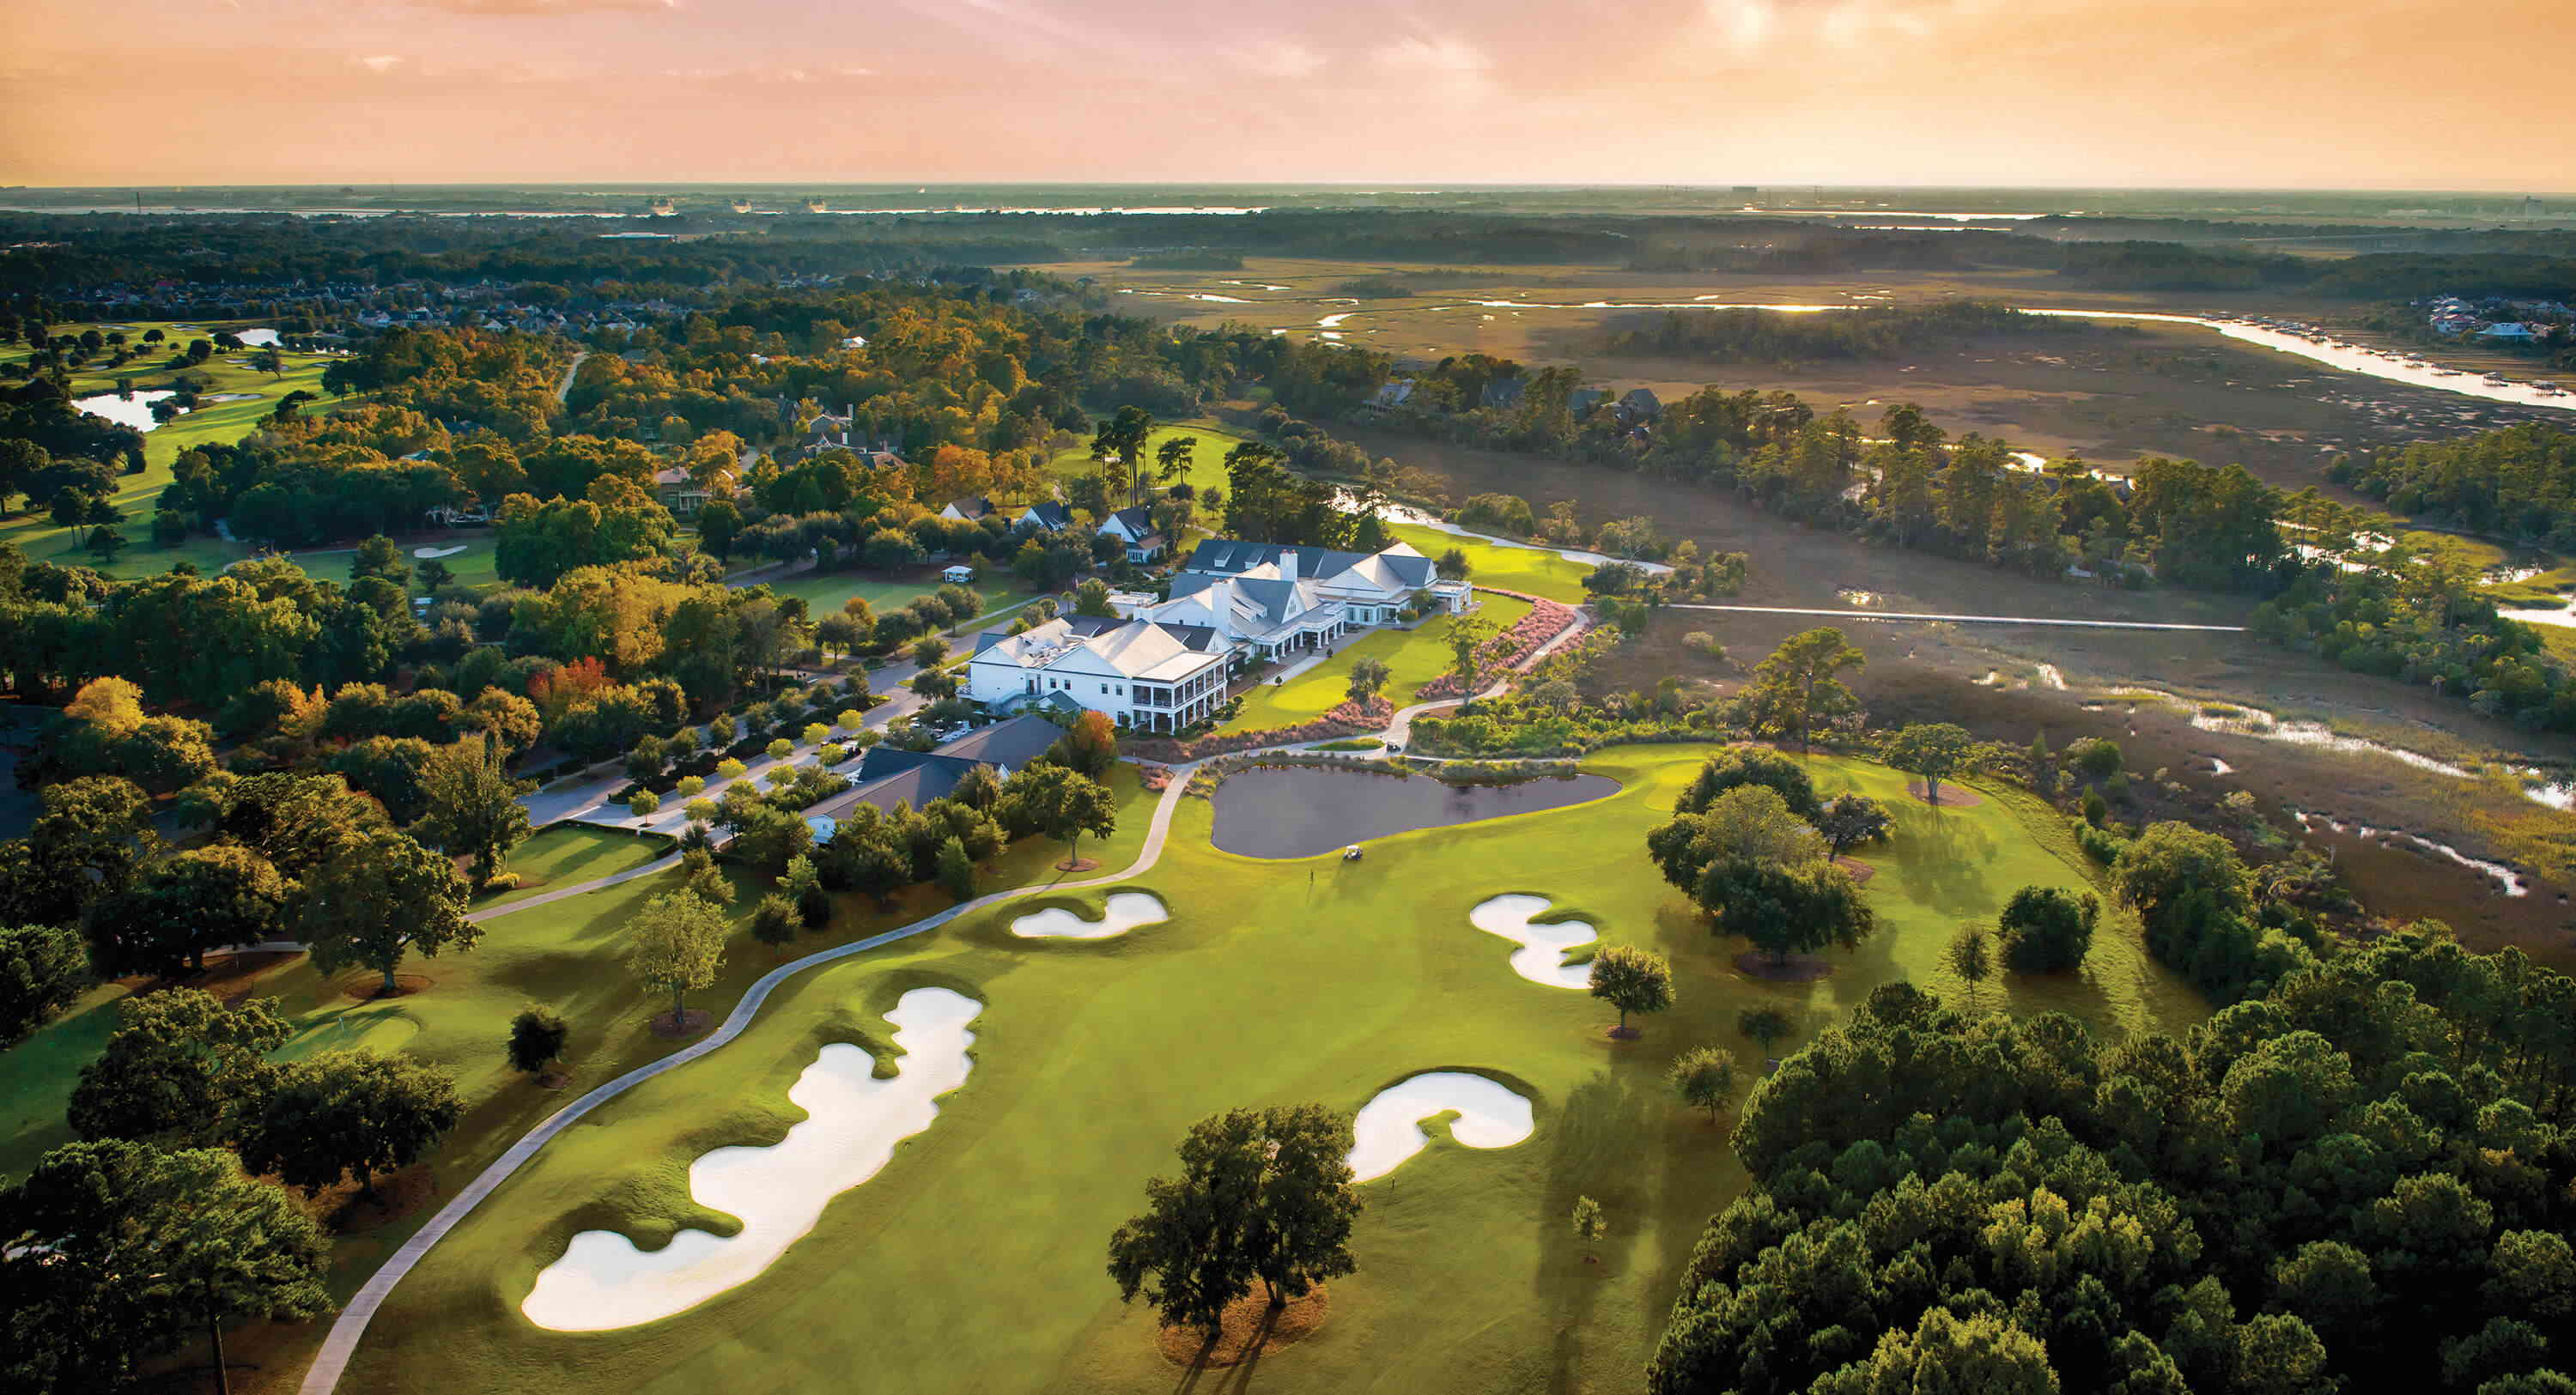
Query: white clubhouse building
(1162,665)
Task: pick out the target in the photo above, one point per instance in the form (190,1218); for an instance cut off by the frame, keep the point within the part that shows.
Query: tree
(1089,748)
(1173,460)
(385,895)
(537,1039)
(1704,1077)
(1764,1025)
(1796,687)
(42,971)
(339,1114)
(1369,676)
(678,943)
(1466,635)
(2046,930)
(1971,956)
(1849,820)
(776,921)
(201,899)
(802,883)
(1750,765)
(1263,1194)
(1632,980)
(474,807)
(1060,803)
(1453,565)
(180,1067)
(377,556)
(1091,598)
(1588,1224)
(1787,910)
(114,1252)
(1933,750)
(956,870)
(1749,825)
(1121,439)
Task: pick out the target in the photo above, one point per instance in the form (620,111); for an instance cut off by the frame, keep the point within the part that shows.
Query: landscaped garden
(1413,657)
(972,1260)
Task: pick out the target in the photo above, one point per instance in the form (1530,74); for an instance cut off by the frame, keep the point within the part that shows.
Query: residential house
(2511,331)
(1395,392)
(967,510)
(1049,515)
(1503,393)
(1135,527)
(1638,406)
(887,777)
(1269,600)
(1145,675)
(683,495)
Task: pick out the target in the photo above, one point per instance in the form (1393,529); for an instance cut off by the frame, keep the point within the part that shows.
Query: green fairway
(973,1260)
(569,853)
(1415,656)
(137,495)
(1207,465)
(1512,568)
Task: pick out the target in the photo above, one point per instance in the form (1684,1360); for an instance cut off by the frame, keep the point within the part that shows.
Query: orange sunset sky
(2431,94)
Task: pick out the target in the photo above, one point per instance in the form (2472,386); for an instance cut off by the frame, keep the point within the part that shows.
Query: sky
(2398,94)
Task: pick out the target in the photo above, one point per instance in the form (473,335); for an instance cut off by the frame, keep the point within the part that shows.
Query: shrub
(644,803)
(781,749)
(730,768)
(691,786)
(2046,930)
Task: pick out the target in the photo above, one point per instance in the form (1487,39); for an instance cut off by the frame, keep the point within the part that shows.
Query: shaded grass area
(824,592)
(975,1256)
(1511,568)
(1415,656)
(567,853)
(1207,465)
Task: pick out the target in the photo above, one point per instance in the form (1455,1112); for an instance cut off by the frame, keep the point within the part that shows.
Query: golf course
(972,1258)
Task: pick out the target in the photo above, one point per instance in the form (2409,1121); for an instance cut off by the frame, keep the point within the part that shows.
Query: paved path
(351,1326)
(563,390)
(1958,619)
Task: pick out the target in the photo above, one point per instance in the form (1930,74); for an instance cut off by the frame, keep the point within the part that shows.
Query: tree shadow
(1595,1146)
(1946,868)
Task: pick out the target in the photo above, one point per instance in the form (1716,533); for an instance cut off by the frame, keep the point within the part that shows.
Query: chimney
(1288,563)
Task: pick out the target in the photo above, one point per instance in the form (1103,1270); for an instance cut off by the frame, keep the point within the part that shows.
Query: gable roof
(1010,744)
(1136,521)
(1050,515)
(971,509)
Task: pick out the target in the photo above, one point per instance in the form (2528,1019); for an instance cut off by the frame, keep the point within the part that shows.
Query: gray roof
(1049,514)
(972,508)
(1227,557)
(1136,519)
(887,777)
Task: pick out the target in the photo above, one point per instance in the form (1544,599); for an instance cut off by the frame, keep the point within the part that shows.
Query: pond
(125,409)
(1301,811)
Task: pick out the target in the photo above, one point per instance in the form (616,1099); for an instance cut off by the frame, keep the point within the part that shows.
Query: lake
(1299,811)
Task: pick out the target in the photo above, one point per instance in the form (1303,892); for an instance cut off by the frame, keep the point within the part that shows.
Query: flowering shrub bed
(1346,720)
(1506,651)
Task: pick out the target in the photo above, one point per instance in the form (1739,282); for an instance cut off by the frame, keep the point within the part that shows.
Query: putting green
(973,1260)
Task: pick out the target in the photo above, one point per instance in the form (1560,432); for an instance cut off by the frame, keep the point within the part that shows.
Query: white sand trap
(1541,958)
(778,1192)
(1389,1128)
(431,554)
(1124,912)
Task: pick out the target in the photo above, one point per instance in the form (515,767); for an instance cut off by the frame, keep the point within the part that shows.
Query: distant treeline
(2518,483)
(1772,336)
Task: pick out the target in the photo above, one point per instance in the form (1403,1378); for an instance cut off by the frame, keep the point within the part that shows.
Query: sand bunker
(431,554)
(779,1192)
(1389,1128)
(1124,912)
(1541,958)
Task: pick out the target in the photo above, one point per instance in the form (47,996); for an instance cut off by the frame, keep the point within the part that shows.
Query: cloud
(381,62)
(1432,53)
(523,8)
(1279,58)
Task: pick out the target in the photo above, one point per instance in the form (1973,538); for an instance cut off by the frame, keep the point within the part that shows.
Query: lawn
(137,495)
(1415,656)
(1207,465)
(1531,570)
(973,1260)
(573,852)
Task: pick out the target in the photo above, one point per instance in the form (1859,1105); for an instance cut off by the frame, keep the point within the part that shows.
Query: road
(1958,619)
(563,390)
